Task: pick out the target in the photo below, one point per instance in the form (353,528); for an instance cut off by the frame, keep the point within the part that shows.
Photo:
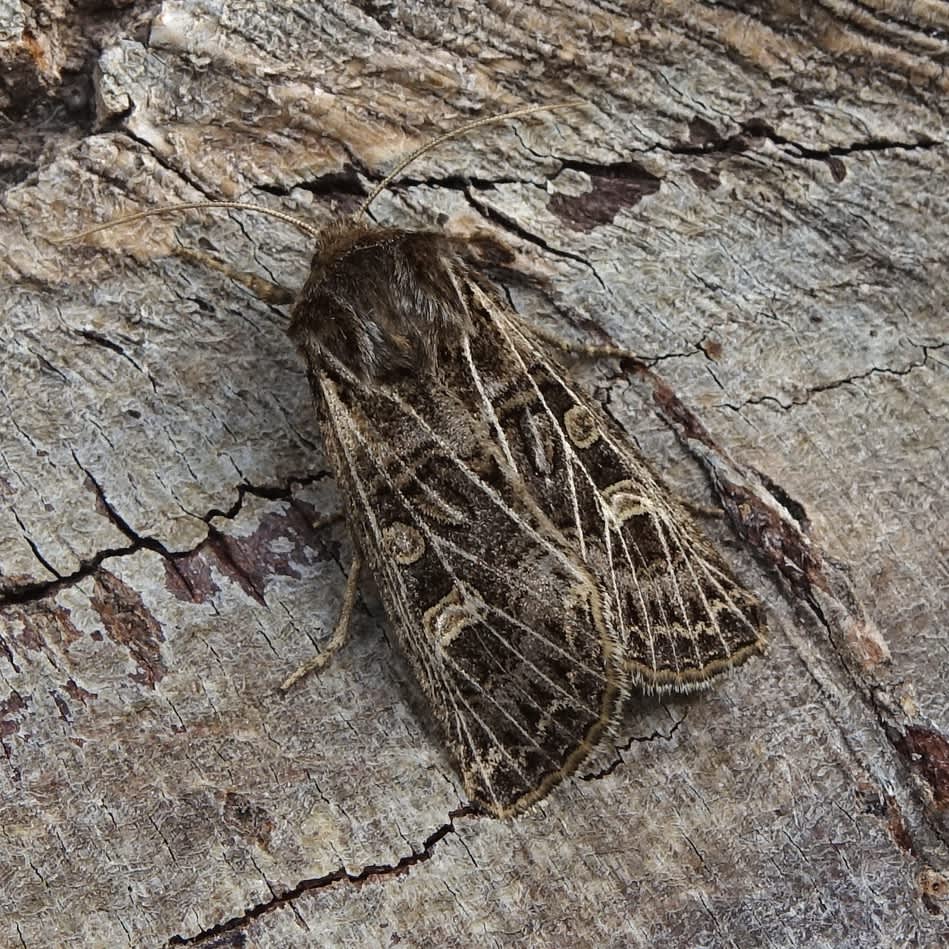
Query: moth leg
(340,635)
(699,511)
(262,289)
(327,519)
(589,350)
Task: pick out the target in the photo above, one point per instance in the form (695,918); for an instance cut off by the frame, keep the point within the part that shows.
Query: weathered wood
(755,202)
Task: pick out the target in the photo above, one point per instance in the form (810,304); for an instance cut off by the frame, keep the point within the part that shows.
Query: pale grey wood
(754,201)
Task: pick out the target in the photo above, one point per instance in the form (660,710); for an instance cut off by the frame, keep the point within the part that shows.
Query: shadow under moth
(534,570)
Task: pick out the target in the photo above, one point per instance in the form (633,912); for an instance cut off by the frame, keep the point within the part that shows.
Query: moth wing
(503,627)
(680,614)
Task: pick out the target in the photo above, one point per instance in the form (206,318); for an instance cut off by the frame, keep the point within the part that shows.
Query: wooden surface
(756,202)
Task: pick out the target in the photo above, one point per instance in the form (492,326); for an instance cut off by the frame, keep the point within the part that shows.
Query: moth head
(381,302)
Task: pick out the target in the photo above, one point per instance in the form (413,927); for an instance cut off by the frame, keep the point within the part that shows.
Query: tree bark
(754,202)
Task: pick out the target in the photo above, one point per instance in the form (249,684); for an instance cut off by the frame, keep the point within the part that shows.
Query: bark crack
(875,698)
(102,340)
(370,872)
(34,548)
(758,129)
(159,158)
(655,735)
(811,391)
(507,222)
(38,590)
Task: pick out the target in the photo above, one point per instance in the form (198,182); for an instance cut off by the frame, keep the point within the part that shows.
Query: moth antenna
(193,206)
(297,222)
(454,133)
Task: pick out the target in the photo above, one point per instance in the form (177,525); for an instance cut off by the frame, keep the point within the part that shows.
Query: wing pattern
(681,616)
(532,565)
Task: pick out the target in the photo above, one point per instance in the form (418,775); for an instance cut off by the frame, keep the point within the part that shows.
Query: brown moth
(534,570)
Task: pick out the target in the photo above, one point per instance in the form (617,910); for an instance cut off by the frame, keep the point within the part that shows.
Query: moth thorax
(382,302)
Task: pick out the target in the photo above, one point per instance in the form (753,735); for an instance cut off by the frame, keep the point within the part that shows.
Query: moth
(535,572)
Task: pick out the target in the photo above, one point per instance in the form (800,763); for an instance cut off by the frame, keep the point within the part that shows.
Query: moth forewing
(682,615)
(503,631)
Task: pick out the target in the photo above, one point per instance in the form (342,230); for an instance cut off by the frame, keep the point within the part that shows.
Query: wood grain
(753,199)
